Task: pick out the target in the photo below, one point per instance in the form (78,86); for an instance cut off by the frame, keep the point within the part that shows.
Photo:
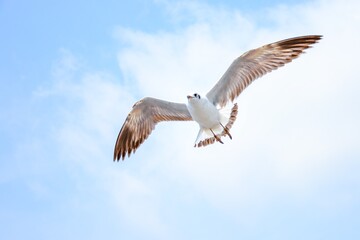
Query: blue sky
(70,72)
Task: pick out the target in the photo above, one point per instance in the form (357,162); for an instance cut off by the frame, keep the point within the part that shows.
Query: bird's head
(194,96)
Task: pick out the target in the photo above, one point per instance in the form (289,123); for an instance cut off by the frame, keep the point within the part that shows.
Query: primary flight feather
(253,64)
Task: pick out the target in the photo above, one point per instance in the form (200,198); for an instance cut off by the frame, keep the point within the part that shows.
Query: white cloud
(291,123)
(91,112)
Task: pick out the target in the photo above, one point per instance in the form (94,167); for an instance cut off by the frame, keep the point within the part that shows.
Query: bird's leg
(216,137)
(226,131)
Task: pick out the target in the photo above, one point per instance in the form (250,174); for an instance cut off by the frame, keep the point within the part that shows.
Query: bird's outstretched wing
(255,63)
(142,119)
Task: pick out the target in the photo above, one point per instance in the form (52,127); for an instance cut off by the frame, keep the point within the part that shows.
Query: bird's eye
(197,95)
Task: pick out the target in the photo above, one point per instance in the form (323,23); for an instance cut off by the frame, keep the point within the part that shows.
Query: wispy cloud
(296,127)
(295,124)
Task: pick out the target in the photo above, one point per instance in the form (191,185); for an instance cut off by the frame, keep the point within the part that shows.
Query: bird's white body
(209,118)
(204,112)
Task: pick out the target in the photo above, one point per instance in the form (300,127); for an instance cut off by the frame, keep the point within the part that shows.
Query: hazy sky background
(71,70)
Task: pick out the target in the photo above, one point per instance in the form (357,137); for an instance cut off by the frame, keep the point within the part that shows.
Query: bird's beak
(189,97)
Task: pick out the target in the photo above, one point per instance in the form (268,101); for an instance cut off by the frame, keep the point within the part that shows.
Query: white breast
(204,112)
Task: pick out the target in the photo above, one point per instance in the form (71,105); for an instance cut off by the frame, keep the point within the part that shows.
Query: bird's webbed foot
(226,130)
(216,137)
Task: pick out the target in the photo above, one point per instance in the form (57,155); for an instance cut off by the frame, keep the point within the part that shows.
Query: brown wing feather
(142,119)
(254,64)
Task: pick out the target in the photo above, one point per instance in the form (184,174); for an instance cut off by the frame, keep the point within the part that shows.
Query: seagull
(206,111)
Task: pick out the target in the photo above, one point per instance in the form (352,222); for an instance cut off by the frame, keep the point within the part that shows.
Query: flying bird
(206,111)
